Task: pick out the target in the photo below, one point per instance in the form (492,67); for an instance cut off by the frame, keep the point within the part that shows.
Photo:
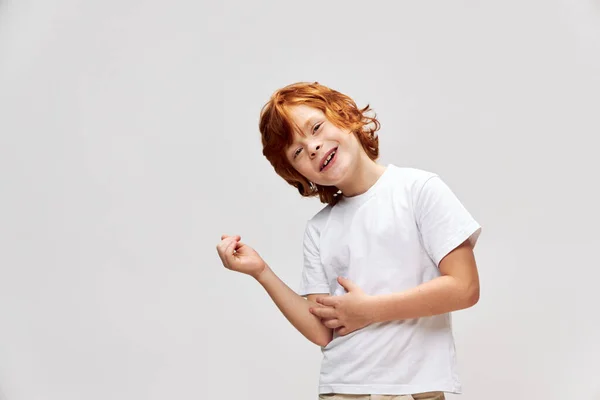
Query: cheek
(303,167)
(352,140)
(344,136)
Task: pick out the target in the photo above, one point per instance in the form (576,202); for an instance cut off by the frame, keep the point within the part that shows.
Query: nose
(314,148)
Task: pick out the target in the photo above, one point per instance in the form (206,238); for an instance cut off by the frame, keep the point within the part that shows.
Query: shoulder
(410,179)
(316,223)
(321,215)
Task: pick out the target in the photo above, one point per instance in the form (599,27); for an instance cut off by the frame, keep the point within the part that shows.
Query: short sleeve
(313,278)
(443,221)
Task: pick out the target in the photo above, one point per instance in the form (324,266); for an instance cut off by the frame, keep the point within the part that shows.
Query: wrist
(374,309)
(263,275)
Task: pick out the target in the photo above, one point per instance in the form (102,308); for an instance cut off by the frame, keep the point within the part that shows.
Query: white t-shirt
(389,239)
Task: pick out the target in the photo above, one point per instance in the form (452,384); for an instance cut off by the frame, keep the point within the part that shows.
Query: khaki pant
(417,396)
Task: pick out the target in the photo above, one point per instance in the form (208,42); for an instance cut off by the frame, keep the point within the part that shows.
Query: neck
(362,177)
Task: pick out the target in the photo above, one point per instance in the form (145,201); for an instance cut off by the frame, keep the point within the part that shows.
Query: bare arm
(240,257)
(295,308)
(456,289)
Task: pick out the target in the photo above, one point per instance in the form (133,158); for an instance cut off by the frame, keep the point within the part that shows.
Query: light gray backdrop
(129,144)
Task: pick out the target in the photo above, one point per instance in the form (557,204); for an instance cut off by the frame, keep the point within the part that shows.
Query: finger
(343,331)
(326,301)
(224,241)
(323,312)
(227,236)
(221,250)
(226,253)
(332,323)
(231,239)
(239,247)
(230,249)
(222,246)
(347,283)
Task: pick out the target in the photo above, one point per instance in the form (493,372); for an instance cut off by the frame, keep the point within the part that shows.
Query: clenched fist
(240,257)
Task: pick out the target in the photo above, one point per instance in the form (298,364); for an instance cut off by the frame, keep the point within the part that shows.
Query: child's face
(322,138)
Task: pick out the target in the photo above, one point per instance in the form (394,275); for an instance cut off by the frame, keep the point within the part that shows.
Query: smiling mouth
(328,159)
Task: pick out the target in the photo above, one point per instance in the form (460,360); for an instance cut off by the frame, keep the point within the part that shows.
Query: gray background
(129,144)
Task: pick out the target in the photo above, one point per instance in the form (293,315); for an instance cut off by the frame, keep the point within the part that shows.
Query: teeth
(328,159)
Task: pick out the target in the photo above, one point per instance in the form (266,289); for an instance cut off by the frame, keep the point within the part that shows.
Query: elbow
(472,295)
(324,338)
(320,341)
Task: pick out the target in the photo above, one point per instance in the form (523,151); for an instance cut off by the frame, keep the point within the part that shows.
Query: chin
(333,182)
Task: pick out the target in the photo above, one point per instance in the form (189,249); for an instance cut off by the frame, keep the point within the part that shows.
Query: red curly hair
(276,128)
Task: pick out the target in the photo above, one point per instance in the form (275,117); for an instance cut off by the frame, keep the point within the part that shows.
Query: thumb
(227,236)
(347,284)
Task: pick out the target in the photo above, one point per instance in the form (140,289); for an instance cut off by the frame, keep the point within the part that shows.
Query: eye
(316,128)
(297,152)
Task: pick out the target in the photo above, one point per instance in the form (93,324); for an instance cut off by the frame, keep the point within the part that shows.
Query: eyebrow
(308,121)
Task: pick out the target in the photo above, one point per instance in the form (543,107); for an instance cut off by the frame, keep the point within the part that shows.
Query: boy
(385,261)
